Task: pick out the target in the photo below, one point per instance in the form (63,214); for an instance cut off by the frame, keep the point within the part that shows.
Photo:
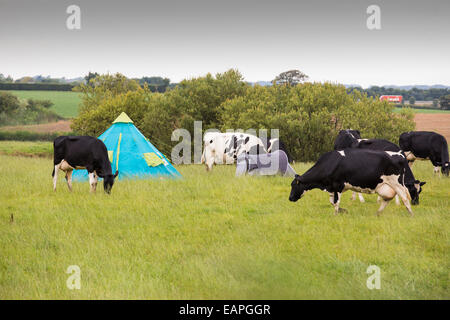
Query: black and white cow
(82,152)
(414,186)
(359,170)
(423,145)
(347,139)
(264,164)
(352,139)
(275,144)
(224,148)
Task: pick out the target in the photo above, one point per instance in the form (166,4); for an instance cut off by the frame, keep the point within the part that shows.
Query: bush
(156,114)
(14,111)
(445,102)
(308,115)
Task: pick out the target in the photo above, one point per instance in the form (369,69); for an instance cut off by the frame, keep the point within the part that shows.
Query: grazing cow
(348,138)
(414,186)
(82,152)
(268,164)
(424,145)
(352,139)
(224,148)
(358,170)
(277,144)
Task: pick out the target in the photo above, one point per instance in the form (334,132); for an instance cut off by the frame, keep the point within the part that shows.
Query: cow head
(446,169)
(108,182)
(414,191)
(208,154)
(347,139)
(297,189)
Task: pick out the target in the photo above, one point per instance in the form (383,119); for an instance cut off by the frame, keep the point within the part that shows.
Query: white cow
(224,148)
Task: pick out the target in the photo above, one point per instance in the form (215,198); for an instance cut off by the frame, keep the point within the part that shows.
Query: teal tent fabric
(131,153)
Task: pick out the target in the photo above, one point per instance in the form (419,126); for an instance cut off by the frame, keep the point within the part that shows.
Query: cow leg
(361,198)
(383,205)
(209,163)
(397,200)
(332,198)
(402,193)
(437,171)
(69,179)
(55,175)
(93,181)
(336,202)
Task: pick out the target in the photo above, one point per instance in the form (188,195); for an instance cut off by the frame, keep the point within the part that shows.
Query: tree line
(416,93)
(154,83)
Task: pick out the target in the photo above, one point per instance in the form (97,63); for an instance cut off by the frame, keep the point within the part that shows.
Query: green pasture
(214,236)
(424,110)
(65,103)
(27,148)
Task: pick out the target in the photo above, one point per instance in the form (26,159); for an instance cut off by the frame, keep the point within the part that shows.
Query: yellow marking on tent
(118,152)
(111,156)
(123,117)
(152,159)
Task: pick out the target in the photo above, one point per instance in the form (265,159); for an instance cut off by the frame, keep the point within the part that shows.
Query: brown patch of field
(437,122)
(27,155)
(60,126)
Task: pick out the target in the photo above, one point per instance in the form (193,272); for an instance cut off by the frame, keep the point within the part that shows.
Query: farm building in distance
(394,99)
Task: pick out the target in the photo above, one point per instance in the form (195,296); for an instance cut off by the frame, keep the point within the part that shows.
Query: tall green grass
(65,103)
(214,236)
(27,148)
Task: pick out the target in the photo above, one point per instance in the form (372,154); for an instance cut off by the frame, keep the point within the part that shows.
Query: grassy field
(211,235)
(424,110)
(65,103)
(27,148)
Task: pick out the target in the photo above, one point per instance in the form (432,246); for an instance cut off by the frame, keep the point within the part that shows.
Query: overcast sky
(326,39)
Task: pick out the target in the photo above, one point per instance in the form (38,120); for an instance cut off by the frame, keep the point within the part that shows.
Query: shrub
(14,111)
(309,116)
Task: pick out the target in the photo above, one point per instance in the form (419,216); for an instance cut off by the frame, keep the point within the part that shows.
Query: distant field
(214,236)
(60,126)
(439,123)
(425,111)
(65,103)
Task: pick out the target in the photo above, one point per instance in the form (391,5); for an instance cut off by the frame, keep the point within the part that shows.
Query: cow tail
(444,153)
(202,159)
(53,173)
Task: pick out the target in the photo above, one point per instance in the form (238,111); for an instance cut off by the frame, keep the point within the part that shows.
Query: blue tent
(131,153)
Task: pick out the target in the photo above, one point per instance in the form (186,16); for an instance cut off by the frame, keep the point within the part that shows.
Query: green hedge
(29,136)
(36,86)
